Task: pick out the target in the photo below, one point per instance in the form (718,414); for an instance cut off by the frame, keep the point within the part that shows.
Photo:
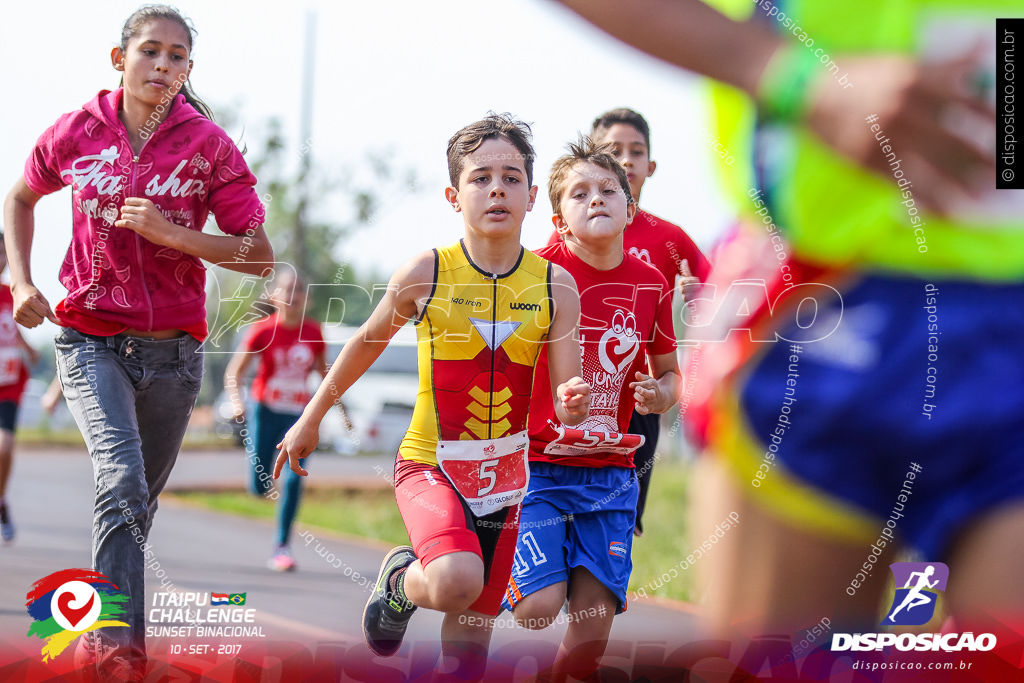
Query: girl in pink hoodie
(146,166)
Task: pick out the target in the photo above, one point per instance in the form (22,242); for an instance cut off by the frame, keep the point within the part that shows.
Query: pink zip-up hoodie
(187,167)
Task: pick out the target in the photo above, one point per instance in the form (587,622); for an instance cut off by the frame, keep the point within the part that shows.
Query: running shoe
(113,669)
(282,560)
(85,656)
(6,525)
(387,613)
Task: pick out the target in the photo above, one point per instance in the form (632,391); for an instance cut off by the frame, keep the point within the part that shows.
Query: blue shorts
(910,414)
(575,517)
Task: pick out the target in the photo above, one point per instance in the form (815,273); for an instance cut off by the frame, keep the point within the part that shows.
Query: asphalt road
(308,620)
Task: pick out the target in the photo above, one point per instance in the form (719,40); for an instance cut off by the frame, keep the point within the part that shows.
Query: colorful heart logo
(619,344)
(72,614)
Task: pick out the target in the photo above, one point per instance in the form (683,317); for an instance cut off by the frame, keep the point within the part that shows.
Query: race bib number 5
(489,474)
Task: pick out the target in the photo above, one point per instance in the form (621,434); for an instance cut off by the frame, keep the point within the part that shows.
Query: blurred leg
(6,458)
(766,576)
(591,610)
(260,449)
(288,508)
(465,637)
(985,570)
(644,458)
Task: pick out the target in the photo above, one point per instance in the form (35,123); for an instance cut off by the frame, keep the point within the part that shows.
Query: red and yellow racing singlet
(479,338)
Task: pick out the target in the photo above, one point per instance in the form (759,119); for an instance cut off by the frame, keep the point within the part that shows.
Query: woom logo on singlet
(90,169)
(520,306)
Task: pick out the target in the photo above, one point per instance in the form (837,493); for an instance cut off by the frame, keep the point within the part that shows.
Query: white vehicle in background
(380,403)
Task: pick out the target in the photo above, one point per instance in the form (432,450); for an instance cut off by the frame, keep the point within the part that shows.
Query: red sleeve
(312,334)
(42,169)
(258,338)
(699,264)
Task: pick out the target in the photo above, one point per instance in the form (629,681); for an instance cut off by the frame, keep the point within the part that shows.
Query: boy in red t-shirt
(288,347)
(14,371)
(576,528)
(653,240)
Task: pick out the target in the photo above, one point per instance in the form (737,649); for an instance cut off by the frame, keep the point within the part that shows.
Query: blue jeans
(266,429)
(132,399)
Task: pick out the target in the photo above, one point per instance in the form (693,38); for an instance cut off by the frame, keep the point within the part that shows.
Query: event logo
(70,602)
(914,603)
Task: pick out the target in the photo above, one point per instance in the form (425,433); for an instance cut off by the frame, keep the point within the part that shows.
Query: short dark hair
(584,151)
(622,115)
(492,126)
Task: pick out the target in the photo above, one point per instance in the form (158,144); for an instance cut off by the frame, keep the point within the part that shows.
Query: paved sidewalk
(316,610)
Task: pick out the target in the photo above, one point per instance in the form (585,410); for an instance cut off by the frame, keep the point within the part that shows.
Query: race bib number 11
(489,474)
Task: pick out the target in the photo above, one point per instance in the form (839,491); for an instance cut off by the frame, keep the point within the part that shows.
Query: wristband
(784,88)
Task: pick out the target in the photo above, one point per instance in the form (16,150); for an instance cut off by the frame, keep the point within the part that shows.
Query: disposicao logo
(914,602)
(70,602)
(918,585)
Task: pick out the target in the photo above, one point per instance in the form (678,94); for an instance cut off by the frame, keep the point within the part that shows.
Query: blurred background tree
(311,211)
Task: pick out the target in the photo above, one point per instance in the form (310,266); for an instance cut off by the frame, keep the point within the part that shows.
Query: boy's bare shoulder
(560,276)
(419,270)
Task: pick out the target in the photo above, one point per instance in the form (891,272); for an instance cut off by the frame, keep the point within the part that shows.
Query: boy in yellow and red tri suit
(576,531)
(484,308)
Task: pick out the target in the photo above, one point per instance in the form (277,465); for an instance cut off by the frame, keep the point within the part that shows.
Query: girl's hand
(300,441)
(142,216)
(30,306)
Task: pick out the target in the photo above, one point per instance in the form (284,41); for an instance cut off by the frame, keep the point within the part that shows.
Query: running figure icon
(916,596)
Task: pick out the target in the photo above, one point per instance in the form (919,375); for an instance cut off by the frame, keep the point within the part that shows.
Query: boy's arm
(409,286)
(689,34)
(240,362)
(896,91)
(657,395)
(569,393)
(33,355)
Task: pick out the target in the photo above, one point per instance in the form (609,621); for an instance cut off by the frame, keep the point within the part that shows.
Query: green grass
(370,513)
(664,542)
(46,437)
(374,514)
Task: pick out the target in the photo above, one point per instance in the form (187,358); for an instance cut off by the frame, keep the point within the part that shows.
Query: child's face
(593,206)
(288,293)
(156,62)
(493,194)
(629,149)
